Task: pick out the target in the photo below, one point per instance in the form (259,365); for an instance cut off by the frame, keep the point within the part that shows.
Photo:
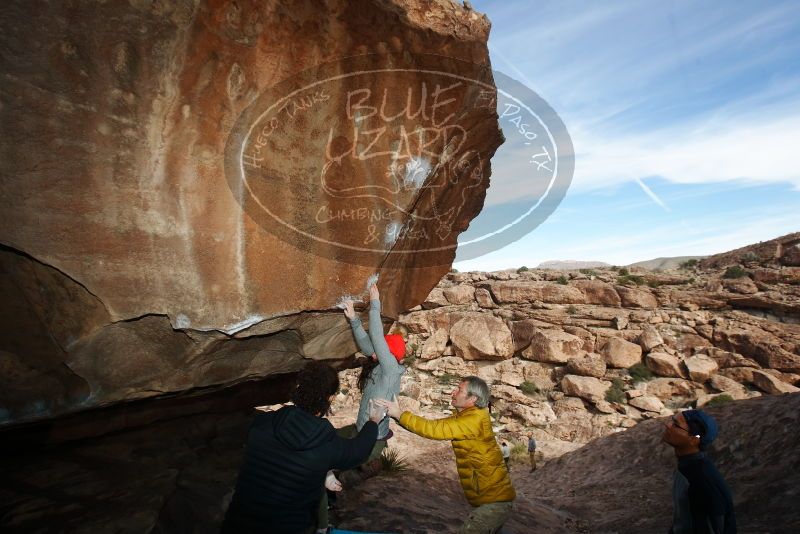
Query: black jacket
(702,500)
(282,477)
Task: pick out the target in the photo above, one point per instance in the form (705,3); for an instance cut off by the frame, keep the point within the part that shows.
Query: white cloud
(736,149)
(744,149)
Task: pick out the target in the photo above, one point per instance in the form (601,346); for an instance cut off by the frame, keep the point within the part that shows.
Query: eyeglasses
(675,423)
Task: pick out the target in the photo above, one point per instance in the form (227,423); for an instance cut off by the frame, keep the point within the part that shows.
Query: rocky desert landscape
(583,358)
(187,193)
(589,361)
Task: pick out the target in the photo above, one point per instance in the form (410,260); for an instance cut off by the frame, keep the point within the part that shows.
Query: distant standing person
(701,499)
(532,451)
(479,461)
(506,454)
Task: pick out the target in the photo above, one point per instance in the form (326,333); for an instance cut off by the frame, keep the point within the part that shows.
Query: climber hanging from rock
(380,375)
(379,379)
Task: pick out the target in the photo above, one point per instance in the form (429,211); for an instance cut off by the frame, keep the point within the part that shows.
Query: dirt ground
(427,497)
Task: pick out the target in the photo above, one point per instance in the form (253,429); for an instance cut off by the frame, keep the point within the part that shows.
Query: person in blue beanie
(702,502)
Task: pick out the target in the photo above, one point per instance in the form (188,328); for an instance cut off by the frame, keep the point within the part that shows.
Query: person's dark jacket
(281,480)
(702,500)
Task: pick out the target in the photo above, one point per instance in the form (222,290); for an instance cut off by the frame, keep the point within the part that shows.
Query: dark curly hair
(366,373)
(315,385)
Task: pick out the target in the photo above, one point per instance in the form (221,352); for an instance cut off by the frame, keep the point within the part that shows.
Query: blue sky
(685,118)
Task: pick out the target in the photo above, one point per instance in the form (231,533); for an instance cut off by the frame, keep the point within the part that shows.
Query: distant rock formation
(664,264)
(571,265)
(784,250)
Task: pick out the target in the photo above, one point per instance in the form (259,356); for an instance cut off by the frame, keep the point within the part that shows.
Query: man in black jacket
(288,453)
(702,502)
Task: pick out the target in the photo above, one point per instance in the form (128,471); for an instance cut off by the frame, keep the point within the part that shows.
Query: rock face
(620,353)
(585,387)
(664,364)
(588,365)
(647,403)
(700,367)
(579,356)
(553,346)
(639,468)
(165,229)
(481,338)
(526,291)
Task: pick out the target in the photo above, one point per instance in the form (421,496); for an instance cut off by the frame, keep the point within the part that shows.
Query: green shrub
(392,463)
(589,272)
(688,264)
(640,373)
(447,379)
(750,256)
(719,400)
(529,388)
(616,393)
(630,279)
(519,451)
(562,280)
(734,271)
(653,283)
(572,310)
(623,271)
(522,269)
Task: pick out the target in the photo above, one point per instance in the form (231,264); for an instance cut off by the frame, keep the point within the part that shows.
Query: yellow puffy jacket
(479,460)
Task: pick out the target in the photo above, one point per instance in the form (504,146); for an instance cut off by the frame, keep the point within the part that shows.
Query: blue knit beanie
(703,425)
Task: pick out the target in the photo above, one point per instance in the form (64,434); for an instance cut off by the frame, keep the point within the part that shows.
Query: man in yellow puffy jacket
(479,461)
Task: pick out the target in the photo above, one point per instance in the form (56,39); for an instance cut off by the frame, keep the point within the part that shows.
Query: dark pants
(347,432)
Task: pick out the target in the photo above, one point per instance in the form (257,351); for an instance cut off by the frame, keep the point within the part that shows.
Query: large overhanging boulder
(189,187)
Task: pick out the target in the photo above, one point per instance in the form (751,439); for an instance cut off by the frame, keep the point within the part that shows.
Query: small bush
(640,373)
(448,379)
(719,400)
(562,280)
(572,310)
(630,279)
(519,451)
(734,271)
(623,272)
(688,264)
(522,269)
(750,256)
(615,393)
(392,463)
(653,283)
(529,388)
(589,272)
